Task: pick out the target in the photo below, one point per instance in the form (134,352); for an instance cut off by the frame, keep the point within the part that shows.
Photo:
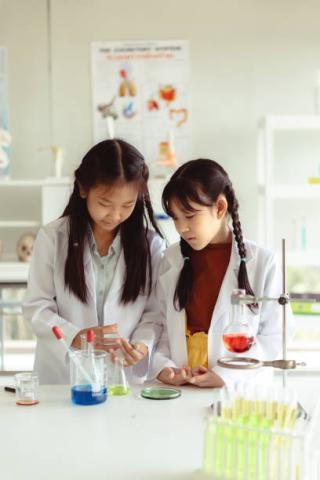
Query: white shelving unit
(24,205)
(18,224)
(285,198)
(271,193)
(14,272)
(53,195)
(291,191)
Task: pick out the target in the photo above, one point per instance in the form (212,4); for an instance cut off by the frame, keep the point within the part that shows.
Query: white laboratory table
(125,438)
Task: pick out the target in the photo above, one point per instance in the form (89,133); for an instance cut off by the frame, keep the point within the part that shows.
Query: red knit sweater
(209,267)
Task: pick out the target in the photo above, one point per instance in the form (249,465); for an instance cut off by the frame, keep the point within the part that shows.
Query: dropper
(94,385)
(90,348)
(90,337)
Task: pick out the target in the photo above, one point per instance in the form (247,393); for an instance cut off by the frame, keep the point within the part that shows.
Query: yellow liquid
(117,390)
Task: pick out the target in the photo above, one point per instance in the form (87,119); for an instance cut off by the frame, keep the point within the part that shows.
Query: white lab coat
(265,279)
(49,303)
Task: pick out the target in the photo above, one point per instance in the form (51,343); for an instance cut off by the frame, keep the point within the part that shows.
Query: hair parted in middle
(202,181)
(108,162)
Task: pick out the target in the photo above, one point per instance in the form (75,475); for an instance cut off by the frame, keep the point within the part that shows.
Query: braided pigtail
(233,207)
(184,285)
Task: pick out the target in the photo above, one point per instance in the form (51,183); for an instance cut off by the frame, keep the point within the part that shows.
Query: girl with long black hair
(95,266)
(198,275)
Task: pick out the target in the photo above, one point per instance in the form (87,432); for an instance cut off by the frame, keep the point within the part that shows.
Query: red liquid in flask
(237,342)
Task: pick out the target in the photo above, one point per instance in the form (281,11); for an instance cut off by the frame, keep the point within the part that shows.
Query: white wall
(248,58)
(23,30)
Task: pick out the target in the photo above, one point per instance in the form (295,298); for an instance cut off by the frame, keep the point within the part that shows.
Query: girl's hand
(132,353)
(100,342)
(175,376)
(202,377)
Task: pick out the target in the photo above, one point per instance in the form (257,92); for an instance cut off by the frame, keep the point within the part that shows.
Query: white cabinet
(55,196)
(289,206)
(25,205)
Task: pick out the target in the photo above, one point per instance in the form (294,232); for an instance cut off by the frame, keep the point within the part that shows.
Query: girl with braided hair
(197,277)
(95,267)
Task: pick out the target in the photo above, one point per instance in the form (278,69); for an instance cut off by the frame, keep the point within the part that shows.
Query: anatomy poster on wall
(140,93)
(5,138)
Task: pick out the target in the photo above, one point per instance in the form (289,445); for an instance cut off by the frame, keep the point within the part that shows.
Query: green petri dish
(160,393)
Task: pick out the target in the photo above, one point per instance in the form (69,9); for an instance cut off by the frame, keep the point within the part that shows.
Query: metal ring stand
(244,363)
(233,362)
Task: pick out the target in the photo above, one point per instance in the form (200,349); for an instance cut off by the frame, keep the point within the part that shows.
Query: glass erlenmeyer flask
(237,336)
(118,381)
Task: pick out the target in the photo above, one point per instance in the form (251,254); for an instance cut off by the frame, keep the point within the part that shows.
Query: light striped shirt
(104,269)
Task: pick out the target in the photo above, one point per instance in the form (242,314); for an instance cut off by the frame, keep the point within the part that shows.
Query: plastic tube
(96,387)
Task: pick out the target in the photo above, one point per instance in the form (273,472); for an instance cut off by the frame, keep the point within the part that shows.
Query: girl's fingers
(129,351)
(169,372)
(196,380)
(109,328)
(183,373)
(102,339)
(202,369)
(112,354)
(132,354)
(107,348)
(111,343)
(107,342)
(198,370)
(126,346)
(208,379)
(181,377)
(166,375)
(136,348)
(174,376)
(103,336)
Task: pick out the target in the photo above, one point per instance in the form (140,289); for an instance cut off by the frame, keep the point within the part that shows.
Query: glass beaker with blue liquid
(88,375)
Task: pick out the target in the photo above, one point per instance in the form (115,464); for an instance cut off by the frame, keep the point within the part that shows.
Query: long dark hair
(108,162)
(202,181)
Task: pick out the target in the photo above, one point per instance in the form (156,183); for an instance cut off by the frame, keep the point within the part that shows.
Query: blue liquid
(83,395)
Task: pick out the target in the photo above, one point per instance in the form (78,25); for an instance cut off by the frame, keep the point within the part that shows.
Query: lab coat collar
(115,247)
(176,261)
(230,281)
(117,282)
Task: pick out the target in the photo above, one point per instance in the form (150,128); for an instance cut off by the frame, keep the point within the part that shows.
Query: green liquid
(118,390)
